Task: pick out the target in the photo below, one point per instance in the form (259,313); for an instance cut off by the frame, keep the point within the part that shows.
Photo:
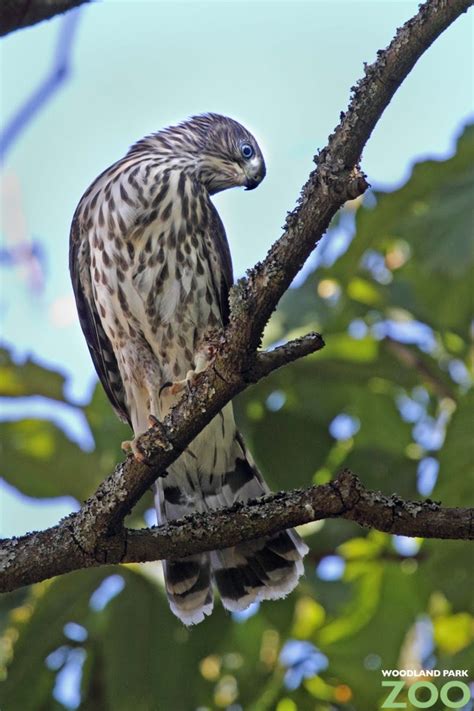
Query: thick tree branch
(96,531)
(55,551)
(17,14)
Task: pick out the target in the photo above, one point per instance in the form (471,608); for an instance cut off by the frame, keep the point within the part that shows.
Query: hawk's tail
(265,569)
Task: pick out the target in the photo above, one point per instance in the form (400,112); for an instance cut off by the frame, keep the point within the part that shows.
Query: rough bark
(95,534)
(18,14)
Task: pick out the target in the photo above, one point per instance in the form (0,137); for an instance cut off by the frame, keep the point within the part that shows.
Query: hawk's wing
(99,345)
(100,348)
(219,239)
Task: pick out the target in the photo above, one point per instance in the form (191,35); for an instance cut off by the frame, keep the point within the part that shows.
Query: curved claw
(179,385)
(132,446)
(168,384)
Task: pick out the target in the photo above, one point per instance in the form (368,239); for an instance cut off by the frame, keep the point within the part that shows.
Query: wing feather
(99,345)
(219,239)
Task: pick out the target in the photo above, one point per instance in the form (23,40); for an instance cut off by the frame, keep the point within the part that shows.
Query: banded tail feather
(264,569)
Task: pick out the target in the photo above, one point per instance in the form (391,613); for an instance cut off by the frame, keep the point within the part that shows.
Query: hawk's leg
(143,398)
(205,356)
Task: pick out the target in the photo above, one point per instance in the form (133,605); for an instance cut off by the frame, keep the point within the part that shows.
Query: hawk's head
(220,152)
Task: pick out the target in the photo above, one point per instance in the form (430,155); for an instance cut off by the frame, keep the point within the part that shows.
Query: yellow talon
(132,446)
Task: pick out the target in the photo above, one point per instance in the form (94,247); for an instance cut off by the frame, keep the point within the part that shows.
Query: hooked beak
(252,183)
(255,174)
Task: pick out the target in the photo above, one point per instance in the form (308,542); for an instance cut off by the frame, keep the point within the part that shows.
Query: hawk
(151,271)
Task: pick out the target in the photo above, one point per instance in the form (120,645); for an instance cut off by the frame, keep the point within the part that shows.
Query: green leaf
(40,460)
(28,378)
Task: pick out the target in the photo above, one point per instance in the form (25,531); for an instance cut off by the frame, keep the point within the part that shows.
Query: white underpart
(170,300)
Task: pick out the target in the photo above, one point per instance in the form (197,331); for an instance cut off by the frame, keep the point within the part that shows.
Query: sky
(284,69)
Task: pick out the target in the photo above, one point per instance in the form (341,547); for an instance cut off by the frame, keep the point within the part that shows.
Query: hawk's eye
(246,150)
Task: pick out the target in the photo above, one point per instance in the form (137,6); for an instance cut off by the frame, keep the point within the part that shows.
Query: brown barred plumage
(151,271)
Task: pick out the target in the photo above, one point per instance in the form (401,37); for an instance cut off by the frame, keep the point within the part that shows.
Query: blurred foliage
(39,457)
(388,397)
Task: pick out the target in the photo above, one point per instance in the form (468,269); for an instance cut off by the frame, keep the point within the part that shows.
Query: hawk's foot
(205,356)
(133,447)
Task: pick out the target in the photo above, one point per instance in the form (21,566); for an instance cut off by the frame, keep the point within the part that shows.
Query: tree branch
(267,361)
(96,531)
(55,551)
(17,14)
(410,359)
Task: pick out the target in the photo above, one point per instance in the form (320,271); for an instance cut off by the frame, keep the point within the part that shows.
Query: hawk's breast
(155,269)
